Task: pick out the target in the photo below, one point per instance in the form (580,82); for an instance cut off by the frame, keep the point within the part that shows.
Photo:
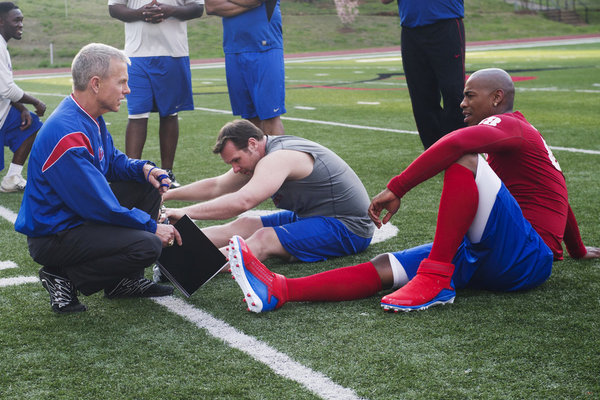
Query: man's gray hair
(94,60)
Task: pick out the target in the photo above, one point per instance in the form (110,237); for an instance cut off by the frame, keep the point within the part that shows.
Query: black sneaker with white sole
(63,295)
(141,287)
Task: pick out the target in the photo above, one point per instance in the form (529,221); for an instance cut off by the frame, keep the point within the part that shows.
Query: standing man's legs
(135,136)
(256,85)
(168,133)
(433,62)
(271,126)
(448,60)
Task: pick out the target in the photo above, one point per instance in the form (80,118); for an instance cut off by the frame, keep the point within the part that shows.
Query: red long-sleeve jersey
(518,154)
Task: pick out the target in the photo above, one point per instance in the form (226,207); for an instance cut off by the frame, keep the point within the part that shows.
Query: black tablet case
(192,264)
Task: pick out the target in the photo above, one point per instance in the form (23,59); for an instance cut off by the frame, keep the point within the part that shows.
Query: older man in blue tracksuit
(87,233)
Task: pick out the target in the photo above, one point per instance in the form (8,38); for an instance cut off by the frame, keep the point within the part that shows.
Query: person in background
(253,46)
(18,126)
(159,75)
(433,58)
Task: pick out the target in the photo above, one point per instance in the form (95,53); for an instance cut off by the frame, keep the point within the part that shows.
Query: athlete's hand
(174,214)
(25,119)
(592,252)
(385,200)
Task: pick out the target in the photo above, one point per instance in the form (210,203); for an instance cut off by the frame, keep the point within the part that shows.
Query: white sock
(14,169)
(399,273)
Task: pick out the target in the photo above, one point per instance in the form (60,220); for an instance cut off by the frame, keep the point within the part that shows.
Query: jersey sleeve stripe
(68,142)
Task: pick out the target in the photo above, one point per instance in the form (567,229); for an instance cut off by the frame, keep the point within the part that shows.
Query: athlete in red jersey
(520,157)
(480,226)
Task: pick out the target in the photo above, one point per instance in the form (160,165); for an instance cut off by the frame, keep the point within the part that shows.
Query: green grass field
(540,344)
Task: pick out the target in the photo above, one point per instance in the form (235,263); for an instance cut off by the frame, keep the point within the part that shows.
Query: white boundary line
(279,362)
(7,265)
(8,215)
(18,280)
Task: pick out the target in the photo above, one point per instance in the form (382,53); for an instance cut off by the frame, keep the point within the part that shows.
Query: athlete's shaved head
(487,92)
(494,79)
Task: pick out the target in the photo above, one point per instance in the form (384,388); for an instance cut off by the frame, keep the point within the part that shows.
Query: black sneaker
(174,183)
(141,287)
(63,296)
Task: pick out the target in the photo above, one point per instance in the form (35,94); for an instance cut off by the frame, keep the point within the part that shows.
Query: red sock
(347,283)
(458,206)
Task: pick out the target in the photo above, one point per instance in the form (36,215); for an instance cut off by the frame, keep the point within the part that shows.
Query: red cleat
(431,286)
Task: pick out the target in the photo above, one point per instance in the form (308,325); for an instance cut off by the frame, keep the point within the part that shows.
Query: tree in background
(347,10)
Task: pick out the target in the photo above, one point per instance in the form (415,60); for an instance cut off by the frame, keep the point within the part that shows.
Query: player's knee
(264,243)
(469,161)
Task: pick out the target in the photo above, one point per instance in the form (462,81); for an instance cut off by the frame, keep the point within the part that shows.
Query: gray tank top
(331,190)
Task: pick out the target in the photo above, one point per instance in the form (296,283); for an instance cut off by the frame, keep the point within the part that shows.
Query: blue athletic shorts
(510,256)
(159,84)
(314,238)
(256,83)
(11,134)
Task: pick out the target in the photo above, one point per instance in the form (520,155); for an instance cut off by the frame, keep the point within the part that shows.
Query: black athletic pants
(433,58)
(97,256)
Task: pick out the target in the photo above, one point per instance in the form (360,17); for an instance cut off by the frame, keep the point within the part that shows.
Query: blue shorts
(162,84)
(256,83)
(314,238)
(11,134)
(510,256)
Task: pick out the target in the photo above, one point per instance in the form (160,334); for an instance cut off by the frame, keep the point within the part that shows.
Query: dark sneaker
(138,288)
(174,183)
(63,295)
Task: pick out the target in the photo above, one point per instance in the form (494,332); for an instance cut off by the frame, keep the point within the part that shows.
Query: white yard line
(376,128)
(7,265)
(18,280)
(8,215)
(279,362)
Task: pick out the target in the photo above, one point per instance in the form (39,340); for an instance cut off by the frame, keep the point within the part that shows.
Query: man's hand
(592,252)
(157,177)
(174,214)
(168,235)
(25,119)
(153,13)
(385,200)
(40,108)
